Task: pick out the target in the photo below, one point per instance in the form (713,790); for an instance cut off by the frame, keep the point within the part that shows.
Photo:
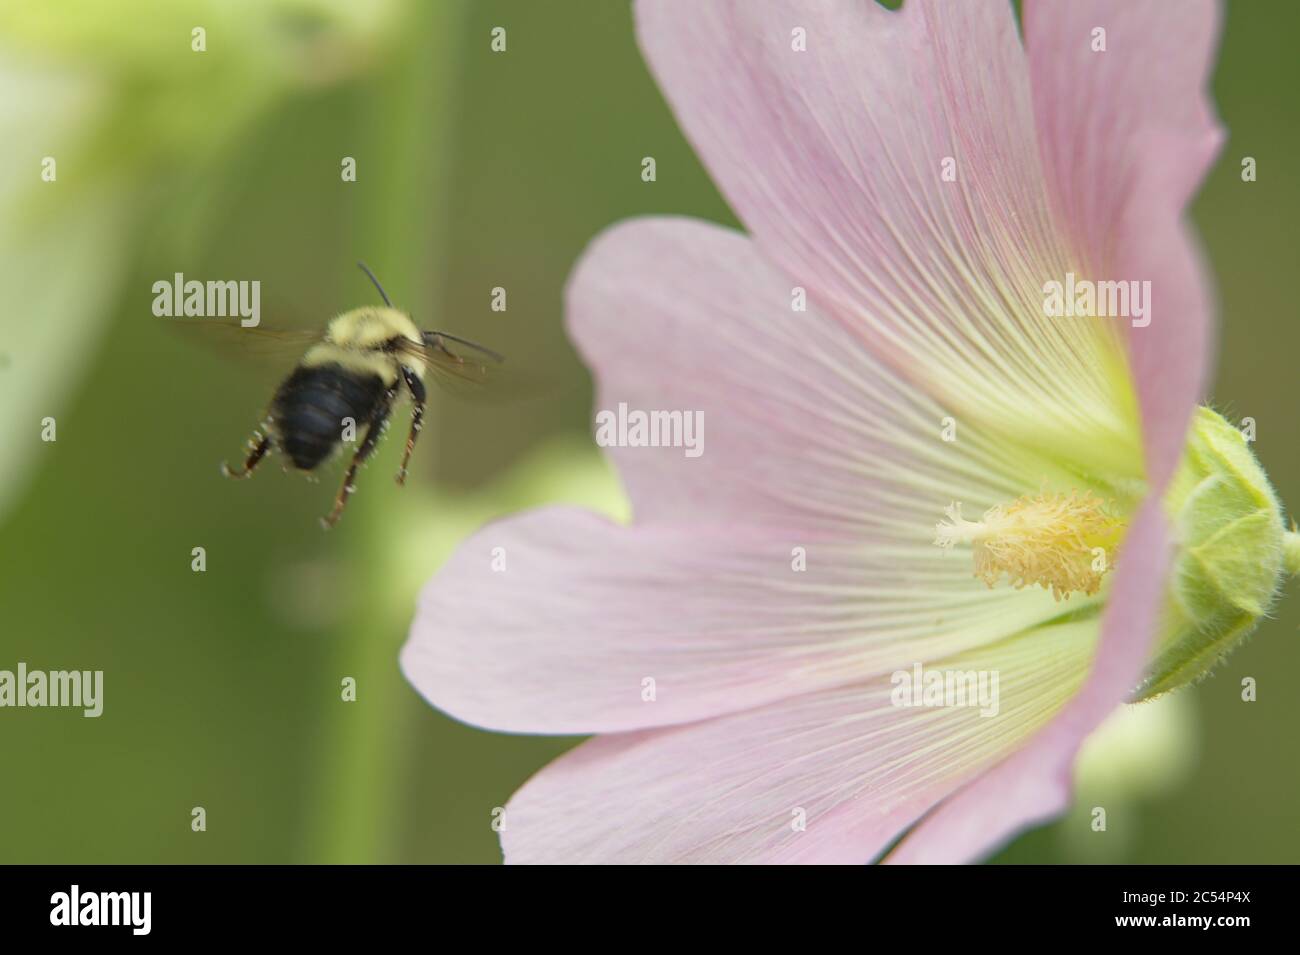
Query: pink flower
(919,176)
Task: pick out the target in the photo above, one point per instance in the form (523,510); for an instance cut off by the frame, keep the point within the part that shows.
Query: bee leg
(260,444)
(366,448)
(418,395)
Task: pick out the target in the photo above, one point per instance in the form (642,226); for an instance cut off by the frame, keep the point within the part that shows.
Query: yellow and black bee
(350,378)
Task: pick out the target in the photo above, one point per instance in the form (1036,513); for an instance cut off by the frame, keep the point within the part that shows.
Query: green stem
(358,797)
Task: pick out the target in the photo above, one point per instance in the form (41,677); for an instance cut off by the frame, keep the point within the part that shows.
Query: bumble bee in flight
(351,377)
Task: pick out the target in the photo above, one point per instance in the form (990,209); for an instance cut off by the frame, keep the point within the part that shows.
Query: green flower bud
(1232,552)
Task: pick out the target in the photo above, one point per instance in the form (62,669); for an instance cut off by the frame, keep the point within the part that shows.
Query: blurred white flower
(1142,752)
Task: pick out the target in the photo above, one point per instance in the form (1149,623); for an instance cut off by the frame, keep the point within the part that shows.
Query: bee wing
(458,365)
(283,346)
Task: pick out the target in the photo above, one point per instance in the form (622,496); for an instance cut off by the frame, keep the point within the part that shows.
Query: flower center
(1062,542)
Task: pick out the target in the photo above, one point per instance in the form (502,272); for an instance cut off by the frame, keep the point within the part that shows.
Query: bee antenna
(494,355)
(371,275)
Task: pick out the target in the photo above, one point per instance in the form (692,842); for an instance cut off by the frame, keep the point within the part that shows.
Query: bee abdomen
(311,409)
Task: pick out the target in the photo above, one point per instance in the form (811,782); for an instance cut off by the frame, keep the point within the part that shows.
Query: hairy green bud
(1233,552)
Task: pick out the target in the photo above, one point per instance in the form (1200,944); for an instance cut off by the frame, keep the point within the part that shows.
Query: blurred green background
(475,170)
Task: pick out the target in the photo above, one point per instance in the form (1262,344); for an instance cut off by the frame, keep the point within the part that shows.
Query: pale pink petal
(585,611)
(1100,113)
(1171,357)
(834,158)
(794,553)
(1127,136)
(804,428)
(1035,783)
(730,790)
